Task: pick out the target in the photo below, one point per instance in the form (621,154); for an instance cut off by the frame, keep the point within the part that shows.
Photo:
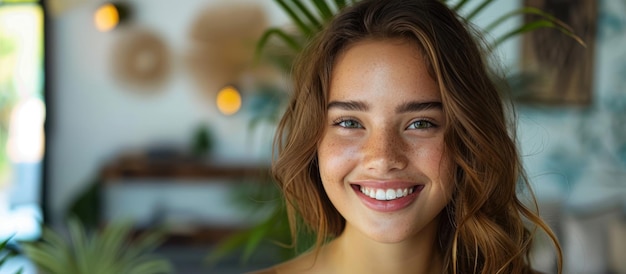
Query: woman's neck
(353,252)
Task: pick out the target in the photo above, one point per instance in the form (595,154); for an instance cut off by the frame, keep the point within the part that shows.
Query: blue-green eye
(349,123)
(421,124)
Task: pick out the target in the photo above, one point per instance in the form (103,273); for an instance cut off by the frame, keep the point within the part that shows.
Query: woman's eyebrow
(349,105)
(415,106)
(412,106)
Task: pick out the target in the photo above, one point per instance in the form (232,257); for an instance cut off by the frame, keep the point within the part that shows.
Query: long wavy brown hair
(486,228)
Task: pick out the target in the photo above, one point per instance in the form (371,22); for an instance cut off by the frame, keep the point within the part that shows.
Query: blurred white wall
(94,116)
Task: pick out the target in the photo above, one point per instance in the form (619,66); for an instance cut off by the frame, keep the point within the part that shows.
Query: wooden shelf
(133,166)
(171,169)
(201,236)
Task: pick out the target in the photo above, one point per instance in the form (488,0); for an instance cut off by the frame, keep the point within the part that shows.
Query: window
(22,115)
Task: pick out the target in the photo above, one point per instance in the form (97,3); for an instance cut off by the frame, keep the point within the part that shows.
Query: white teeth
(380,194)
(386,194)
(390,194)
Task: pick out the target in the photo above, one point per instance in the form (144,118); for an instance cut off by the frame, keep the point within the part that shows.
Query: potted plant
(112,249)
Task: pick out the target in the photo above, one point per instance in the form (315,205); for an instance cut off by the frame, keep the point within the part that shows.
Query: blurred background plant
(115,248)
(600,142)
(280,46)
(6,253)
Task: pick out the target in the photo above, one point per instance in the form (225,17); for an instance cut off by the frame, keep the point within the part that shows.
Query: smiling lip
(402,197)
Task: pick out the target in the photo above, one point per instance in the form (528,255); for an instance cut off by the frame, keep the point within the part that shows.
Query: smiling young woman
(395,149)
(383,138)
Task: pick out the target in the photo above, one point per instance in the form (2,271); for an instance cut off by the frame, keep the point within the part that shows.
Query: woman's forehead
(375,69)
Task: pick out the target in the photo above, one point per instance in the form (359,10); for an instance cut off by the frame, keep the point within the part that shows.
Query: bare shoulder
(305,263)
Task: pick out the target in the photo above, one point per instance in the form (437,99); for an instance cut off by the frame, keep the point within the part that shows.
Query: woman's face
(381,158)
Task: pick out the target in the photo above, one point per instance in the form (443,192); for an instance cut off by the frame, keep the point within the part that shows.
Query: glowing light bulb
(228,100)
(106,17)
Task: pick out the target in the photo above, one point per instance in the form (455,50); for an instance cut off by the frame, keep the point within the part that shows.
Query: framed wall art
(559,67)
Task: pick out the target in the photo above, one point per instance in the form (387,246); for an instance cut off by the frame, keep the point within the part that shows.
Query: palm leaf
(264,197)
(45,260)
(259,233)
(288,39)
(55,245)
(303,27)
(4,259)
(248,240)
(4,243)
(297,11)
(340,4)
(554,23)
(534,25)
(152,266)
(228,246)
(459,5)
(3,248)
(323,9)
(103,252)
(145,243)
(315,23)
(112,240)
(52,243)
(7,253)
(81,243)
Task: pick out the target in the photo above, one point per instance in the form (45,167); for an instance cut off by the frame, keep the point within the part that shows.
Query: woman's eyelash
(347,123)
(421,124)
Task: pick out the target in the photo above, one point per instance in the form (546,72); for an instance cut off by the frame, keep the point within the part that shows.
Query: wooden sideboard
(133,171)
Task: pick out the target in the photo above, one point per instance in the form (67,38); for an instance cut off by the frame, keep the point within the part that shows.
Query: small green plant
(114,249)
(261,198)
(6,253)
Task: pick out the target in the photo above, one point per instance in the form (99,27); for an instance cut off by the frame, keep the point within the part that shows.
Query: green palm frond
(340,4)
(296,17)
(114,249)
(323,9)
(288,39)
(546,21)
(308,20)
(314,22)
(247,241)
(7,253)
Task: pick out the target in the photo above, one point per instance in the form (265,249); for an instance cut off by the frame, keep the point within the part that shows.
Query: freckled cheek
(335,158)
(441,164)
(433,156)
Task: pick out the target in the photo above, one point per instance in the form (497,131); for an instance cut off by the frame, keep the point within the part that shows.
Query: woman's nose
(385,151)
